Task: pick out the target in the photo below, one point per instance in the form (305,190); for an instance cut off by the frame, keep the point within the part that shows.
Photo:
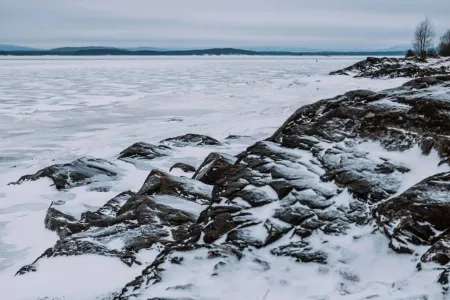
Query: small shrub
(432,53)
(444,49)
(444,46)
(410,53)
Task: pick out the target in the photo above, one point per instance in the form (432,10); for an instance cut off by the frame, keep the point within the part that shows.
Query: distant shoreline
(212,52)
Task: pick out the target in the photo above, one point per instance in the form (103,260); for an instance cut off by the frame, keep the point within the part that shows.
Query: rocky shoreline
(327,171)
(390,67)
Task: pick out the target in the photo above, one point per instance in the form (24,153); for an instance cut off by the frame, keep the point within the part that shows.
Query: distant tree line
(423,42)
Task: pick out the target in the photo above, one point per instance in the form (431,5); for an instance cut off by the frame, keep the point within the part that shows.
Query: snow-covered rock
(306,210)
(143,151)
(85,170)
(191,139)
(389,67)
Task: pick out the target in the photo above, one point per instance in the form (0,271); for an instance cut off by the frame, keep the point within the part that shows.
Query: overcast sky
(320,24)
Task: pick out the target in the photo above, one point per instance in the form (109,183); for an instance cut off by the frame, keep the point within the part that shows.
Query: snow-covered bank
(57,111)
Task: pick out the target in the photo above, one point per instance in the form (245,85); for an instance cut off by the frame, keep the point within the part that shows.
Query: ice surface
(55,110)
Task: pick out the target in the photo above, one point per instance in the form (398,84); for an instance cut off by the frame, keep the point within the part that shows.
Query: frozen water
(55,110)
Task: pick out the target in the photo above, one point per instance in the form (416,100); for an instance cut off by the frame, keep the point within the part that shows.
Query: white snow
(74,278)
(421,166)
(356,269)
(55,110)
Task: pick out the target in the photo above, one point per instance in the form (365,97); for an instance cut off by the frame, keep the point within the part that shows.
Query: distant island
(97,51)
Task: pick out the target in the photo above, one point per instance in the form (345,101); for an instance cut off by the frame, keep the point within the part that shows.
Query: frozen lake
(54,110)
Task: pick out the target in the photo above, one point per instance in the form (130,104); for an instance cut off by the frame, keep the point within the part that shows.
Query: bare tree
(444,46)
(423,37)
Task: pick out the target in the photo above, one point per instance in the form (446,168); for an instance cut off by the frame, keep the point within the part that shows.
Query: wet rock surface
(326,172)
(192,139)
(83,171)
(389,67)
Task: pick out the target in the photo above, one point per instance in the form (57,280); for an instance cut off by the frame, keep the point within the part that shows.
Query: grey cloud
(200,23)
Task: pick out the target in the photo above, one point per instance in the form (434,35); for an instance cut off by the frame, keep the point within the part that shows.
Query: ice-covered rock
(82,171)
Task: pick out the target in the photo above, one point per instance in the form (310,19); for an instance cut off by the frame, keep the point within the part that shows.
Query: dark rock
(302,232)
(213,211)
(309,198)
(222,220)
(281,187)
(224,251)
(192,139)
(293,215)
(313,223)
(185,167)
(439,252)
(275,231)
(221,224)
(100,189)
(336,227)
(62,223)
(26,269)
(235,137)
(113,206)
(104,216)
(417,214)
(213,167)
(75,247)
(146,211)
(388,168)
(82,171)
(257,196)
(187,233)
(161,183)
(443,277)
(243,237)
(302,252)
(300,142)
(264,264)
(143,150)
(175,120)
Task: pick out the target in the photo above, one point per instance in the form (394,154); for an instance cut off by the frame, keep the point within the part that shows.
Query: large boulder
(85,170)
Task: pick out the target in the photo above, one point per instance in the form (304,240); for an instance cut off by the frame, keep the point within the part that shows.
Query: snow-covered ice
(55,110)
